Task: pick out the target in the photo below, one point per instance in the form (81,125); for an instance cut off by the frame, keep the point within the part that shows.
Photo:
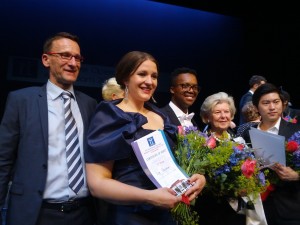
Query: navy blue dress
(109,138)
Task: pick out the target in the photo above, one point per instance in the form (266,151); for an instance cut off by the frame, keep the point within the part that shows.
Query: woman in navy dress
(113,171)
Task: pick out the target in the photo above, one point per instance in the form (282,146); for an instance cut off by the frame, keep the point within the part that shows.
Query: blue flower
(190,129)
(296,159)
(262,178)
(295,137)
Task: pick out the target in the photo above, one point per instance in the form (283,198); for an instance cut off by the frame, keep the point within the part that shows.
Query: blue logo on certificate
(151,141)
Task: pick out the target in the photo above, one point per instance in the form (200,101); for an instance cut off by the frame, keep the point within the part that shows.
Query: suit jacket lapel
(82,109)
(287,129)
(43,110)
(282,128)
(174,119)
(194,123)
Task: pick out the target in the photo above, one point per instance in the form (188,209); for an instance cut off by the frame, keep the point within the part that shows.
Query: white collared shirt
(274,129)
(178,112)
(57,187)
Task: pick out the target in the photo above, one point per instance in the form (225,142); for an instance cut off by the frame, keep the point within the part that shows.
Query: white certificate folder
(156,158)
(268,147)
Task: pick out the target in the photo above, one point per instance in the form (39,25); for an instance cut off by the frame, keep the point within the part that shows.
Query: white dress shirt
(184,118)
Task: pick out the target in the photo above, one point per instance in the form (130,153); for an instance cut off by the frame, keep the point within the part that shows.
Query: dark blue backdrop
(225,50)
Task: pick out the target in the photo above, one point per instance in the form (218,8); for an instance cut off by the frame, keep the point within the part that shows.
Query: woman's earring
(153,99)
(126,93)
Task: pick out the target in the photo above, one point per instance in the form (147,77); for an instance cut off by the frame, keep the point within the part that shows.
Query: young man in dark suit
(33,144)
(184,90)
(282,206)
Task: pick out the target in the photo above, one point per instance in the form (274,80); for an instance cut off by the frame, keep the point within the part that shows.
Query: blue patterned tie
(75,170)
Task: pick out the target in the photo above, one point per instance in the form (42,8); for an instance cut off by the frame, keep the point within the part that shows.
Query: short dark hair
(256,79)
(263,90)
(48,43)
(286,96)
(179,71)
(129,64)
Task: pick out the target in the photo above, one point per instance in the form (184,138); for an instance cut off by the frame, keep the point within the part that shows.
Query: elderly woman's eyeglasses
(66,56)
(187,87)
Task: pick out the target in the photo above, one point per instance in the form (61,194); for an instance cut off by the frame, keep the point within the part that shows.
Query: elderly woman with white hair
(217,111)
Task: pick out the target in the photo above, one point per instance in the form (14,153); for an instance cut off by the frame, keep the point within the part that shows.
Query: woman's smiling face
(143,82)
(220,116)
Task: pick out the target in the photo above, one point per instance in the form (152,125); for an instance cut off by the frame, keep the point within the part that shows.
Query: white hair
(211,101)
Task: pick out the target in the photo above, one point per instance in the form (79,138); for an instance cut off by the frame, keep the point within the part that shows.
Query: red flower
(240,147)
(185,199)
(294,120)
(248,167)
(292,146)
(211,142)
(265,194)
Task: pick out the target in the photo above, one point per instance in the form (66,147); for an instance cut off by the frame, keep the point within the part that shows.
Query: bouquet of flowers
(230,168)
(292,154)
(293,151)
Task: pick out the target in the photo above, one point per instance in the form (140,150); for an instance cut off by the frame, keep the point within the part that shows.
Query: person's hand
(166,197)
(199,183)
(285,173)
(163,197)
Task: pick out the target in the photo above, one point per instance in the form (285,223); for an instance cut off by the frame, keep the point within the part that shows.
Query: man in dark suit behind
(282,206)
(184,90)
(254,82)
(289,114)
(33,144)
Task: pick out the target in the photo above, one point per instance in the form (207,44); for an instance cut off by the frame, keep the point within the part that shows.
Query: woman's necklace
(224,137)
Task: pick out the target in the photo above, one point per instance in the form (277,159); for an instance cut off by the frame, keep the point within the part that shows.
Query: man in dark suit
(184,90)
(33,144)
(282,206)
(289,114)
(254,82)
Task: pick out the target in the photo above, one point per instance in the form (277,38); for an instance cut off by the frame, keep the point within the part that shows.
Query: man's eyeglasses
(66,56)
(187,87)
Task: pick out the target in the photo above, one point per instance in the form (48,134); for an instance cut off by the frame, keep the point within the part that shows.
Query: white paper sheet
(155,157)
(268,147)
